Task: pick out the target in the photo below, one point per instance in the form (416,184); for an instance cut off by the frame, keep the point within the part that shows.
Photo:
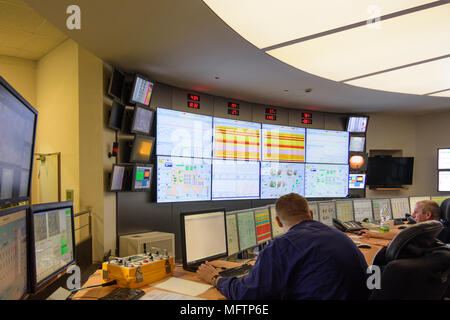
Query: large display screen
(281,143)
(327,146)
(183,179)
(234,139)
(444,181)
(326,181)
(443,159)
(235,180)
(278,179)
(182,134)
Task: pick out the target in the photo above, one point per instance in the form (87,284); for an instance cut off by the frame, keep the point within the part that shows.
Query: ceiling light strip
(396,68)
(357,24)
(427,94)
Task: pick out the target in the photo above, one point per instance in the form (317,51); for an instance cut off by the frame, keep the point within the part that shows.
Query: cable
(107,284)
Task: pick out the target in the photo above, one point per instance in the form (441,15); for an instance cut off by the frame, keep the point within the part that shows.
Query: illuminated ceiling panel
(441,94)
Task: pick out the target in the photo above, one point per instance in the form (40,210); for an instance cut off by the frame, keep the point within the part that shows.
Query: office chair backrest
(445,210)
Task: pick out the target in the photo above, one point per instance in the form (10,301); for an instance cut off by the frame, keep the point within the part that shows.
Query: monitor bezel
(347,122)
(112,176)
(136,76)
(133,149)
(121,106)
(133,130)
(357,174)
(134,177)
(35,209)
(254,223)
(22,100)
(437,159)
(186,264)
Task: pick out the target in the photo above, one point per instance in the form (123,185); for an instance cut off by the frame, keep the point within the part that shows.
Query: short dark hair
(292,205)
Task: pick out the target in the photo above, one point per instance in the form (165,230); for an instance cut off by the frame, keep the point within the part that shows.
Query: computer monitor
(358,161)
(263,227)
(400,207)
(362,209)
(142,149)
(117,177)
(233,180)
(326,181)
(142,120)
(443,158)
(327,146)
(142,177)
(357,124)
(414,200)
(183,179)
(183,134)
(236,139)
(443,181)
(116,116)
(357,181)
(278,179)
(276,229)
(116,84)
(283,143)
(13,254)
(246,229)
(232,234)
(203,236)
(357,144)
(17,137)
(314,207)
(344,210)
(141,91)
(52,241)
(327,211)
(380,204)
(440,199)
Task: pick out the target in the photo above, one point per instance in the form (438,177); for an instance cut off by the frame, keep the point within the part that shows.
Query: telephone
(350,226)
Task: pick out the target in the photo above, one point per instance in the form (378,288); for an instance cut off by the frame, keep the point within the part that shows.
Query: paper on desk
(187,287)
(163,295)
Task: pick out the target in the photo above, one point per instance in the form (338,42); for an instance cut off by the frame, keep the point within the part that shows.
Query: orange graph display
(283,143)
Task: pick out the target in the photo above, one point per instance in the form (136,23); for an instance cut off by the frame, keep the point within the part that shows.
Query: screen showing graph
(262,221)
(278,179)
(381,204)
(281,143)
(399,207)
(327,211)
(234,139)
(183,179)
(326,181)
(276,229)
(247,230)
(327,146)
(344,210)
(235,180)
(183,134)
(142,91)
(362,209)
(232,234)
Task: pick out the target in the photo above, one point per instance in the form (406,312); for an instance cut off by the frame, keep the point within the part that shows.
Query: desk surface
(212,293)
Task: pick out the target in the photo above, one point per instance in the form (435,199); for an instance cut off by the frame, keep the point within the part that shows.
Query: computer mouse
(402,227)
(364,246)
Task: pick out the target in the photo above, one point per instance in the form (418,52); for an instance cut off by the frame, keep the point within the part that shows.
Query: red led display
(271,111)
(193,105)
(271,117)
(306,121)
(193,97)
(306,115)
(233,105)
(233,112)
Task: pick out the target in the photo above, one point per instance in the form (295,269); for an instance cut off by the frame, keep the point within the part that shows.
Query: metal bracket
(139,275)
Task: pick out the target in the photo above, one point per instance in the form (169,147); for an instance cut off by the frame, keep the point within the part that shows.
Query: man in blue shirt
(310,261)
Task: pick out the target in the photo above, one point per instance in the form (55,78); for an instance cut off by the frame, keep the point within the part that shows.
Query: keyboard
(237,272)
(124,294)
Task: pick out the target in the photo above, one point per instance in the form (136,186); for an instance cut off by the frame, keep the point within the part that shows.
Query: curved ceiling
(184,44)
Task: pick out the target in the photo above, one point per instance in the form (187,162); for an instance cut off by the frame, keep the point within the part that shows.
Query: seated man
(310,261)
(425,210)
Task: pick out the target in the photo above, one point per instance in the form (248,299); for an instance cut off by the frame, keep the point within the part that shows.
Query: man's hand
(206,271)
(367,234)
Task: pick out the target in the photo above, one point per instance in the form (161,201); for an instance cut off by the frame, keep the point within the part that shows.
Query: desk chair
(415,265)
(445,218)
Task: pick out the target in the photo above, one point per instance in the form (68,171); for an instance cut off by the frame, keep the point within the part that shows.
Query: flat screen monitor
(246,229)
(182,134)
(444,159)
(183,179)
(443,181)
(232,235)
(357,181)
(314,207)
(142,120)
(400,207)
(327,211)
(362,209)
(357,124)
(116,117)
(390,171)
(440,199)
(17,136)
(233,180)
(263,228)
(344,210)
(327,146)
(276,229)
(278,179)
(236,140)
(358,161)
(116,84)
(142,177)
(52,241)
(357,144)
(142,91)
(413,201)
(117,177)
(142,149)
(203,236)
(13,254)
(282,143)
(326,181)
(381,204)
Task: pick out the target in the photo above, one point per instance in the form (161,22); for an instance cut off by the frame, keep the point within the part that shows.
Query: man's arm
(378,235)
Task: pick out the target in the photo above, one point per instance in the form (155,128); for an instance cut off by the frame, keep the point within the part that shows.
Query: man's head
(426,210)
(291,209)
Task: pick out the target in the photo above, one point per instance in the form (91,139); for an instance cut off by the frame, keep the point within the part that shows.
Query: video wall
(202,158)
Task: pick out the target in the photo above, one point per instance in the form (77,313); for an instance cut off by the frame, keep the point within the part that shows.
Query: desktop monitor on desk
(400,207)
(246,229)
(232,234)
(203,236)
(276,229)
(263,226)
(362,209)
